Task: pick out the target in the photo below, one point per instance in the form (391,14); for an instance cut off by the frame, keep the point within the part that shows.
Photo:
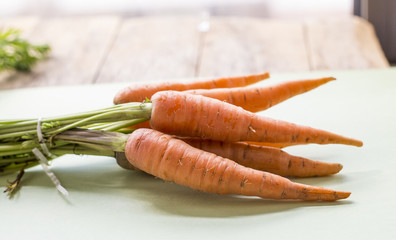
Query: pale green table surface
(107,202)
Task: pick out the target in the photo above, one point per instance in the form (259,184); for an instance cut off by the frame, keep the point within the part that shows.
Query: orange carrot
(268,144)
(184,114)
(256,99)
(268,159)
(145,124)
(141,92)
(174,160)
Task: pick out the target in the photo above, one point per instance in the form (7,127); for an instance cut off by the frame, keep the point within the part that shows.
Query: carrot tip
(338,195)
(357,143)
(340,167)
(266,75)
(328,79)
(343,195)
(336,168)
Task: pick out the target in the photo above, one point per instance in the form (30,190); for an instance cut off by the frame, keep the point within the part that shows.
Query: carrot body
(266,159)
(145,124)
(184,114)
(256,99)
(268,144)
(174,160)
(140,92)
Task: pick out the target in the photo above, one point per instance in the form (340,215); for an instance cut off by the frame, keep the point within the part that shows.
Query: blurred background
(151,39)
(379,12)
(289,9)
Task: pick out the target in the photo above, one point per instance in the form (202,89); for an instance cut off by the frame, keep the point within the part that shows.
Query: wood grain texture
(98,49)
(78,44)
(236,46)
(153,48)
(347,43)
(25,24)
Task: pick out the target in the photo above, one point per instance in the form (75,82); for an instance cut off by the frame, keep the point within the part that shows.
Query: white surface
(107,202)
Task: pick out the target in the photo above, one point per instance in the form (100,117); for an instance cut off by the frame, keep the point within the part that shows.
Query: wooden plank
(78,44)
(347,43)
(152,48)
(25,24)
(235,46)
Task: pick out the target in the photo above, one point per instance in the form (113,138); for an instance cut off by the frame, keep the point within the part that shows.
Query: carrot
(141,92)
(256,99)
(268,144)
(268,159)
(174,160)
(184,114)
(145,124)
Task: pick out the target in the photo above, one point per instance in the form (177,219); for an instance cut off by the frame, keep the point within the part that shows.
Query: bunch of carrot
(202,134)
(205,136)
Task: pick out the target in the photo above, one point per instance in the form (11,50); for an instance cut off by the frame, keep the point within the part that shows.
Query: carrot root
(268,159)
(189,115)
(255,99)
(141,92)
(268,144)
(174,160)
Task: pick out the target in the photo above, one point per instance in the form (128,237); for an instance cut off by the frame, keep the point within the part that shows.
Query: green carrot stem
(69,134)
(123,124)
(95,138)
(18,166)
(125,130)
(104,117)
(17,159)
(78,149)
(20,148)
(127,111)
(81,150)
(73,117)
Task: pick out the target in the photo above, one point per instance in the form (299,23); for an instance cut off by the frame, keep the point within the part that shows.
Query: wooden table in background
(99,49)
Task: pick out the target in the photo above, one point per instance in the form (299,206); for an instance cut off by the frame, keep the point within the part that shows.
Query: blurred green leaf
(19,54)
